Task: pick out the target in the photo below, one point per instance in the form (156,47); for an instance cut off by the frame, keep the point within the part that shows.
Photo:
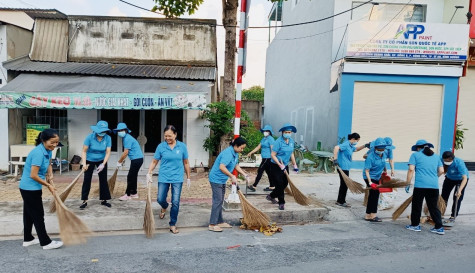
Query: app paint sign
(405,40)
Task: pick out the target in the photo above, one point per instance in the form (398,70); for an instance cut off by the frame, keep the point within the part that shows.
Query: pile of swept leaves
(267,230)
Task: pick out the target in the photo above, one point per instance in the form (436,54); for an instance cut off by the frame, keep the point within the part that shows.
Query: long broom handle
(456,200)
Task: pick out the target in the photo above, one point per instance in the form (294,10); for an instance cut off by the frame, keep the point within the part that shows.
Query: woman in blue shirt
(282,153)
(456,175)
(374,166)
(37,167)
(342,156)
(427,167)
(133,151)
(173,157)
(95,153)
(266,145)
(219,174)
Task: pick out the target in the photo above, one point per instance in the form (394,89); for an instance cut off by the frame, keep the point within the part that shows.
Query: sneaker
(125,197)
(105,203)
(271,199)
(439,231)
(281,207)
(53,245)
(345,205)
(32,242)
(215,228)
(413,228)
(449,223)
(268,189)
(83,205)
(135,196)
(251,188)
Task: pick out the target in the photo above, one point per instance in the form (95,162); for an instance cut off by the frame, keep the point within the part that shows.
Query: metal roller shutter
(404,112)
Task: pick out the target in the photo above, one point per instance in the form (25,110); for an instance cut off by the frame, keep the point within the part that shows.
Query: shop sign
(102,101)
(405,40)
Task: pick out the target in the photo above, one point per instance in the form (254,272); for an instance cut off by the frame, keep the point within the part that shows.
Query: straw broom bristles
(299,197)
(402,208)
(394,183)
(252,216)
(441,205)
(148,220)
(288,191)
(352,185)
(65,193)
(111,181)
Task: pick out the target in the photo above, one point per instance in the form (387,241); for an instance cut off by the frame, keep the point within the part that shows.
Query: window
(388,12)
(153,129)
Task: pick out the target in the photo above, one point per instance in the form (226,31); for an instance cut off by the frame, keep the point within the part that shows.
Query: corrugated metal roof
(40,13)
(115,70)
(50,40)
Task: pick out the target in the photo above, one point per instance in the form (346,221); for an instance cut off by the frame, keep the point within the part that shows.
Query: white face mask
(266,133)
(448,163)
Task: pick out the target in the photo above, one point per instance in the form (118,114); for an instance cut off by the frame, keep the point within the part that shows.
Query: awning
(92,92)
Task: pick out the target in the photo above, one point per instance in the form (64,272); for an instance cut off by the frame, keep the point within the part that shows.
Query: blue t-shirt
(266,142)
(40,157)
(230,159)
(97,149)
(172,168)
(283,150)
(375,164)
(133,146)
(426,170)
(344,155)
(456,170)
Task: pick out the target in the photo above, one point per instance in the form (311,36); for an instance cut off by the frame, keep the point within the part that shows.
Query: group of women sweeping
(276,156)
(424,164)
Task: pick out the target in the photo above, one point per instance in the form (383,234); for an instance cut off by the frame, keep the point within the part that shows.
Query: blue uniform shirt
(133,146)
(266,142)
(457,169)
(172,167)
(283,150)
(229,158)
(97,149)
(40,157)
(344,155)
(426,170)
(375,164)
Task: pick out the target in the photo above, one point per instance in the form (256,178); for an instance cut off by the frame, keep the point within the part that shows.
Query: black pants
(280,182)
(343,188)
(34,214)
(265,166)
(373,198)
(104,193)
(135,165)
(431,196)
(447,187)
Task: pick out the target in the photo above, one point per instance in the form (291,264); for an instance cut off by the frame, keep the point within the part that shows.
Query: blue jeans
(162,199)
(217,207)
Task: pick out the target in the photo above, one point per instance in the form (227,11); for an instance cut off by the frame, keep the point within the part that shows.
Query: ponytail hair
(427,151)
(354,136)
(238,142)
(46,135)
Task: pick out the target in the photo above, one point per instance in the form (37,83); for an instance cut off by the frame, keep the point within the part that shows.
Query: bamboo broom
(352,185)
(299,197)
(441,205)
(252,216)
(148,220)
(65,193)
(402,208)
(288,191)
(111,181)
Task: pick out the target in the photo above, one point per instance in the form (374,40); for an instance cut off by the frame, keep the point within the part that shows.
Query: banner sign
(102,101)
(32,131)
(405,40)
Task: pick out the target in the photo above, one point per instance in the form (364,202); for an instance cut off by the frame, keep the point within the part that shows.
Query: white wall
(196,133)
(466,114)
(3,112)
(79,122)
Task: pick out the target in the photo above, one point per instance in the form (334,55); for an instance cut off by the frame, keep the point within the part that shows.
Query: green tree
(220,116)
(255,92)
(459,136)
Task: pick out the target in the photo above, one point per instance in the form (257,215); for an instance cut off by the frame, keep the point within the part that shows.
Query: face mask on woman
(121,134)
(448,163)
(354,143)
(379,152)
(266,134)
(286,136)
(101,134)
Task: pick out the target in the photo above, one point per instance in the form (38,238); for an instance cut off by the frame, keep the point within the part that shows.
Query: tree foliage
(220,116)
(176,8)
(255,92)
(459,136)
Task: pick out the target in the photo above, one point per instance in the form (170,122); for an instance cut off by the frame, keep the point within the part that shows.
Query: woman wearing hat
(427,167)
(456,175)
(374,166)
(37,167)
(266,145)
(282,153)
(95,153)
(173,157)
(133,151)
(342,156)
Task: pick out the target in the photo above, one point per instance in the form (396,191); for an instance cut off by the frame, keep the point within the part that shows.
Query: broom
(110,183)
(288,191)
(65,193)
(402,208)
(299,197)
(72,230)
(394,183)
(252,216)
(148,220)
(441,205)
(352,185)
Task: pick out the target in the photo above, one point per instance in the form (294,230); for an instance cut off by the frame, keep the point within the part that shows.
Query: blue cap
(288,127)
(267,128)
(421,143)
(101,127)
(389,141)
(379,143)
(121,126)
